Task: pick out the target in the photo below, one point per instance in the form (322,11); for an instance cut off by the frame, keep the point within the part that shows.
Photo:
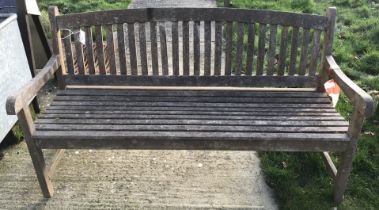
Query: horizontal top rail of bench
(192,14)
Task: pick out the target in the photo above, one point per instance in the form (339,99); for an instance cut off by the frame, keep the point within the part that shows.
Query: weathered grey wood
(26,123)
(79,51)
(272,50)
(55,160)
(121,48)
(89,51)
(185,48)
(315,53)
(272,81)
(142,47)
(239,53)
(162,38)
(331,14)
(218,48)
(283,51)
(57,48)
(196,48)
(207,47)
(250,49)
(192,14)
(228,48)
(175,48)
(15,103)
(190,128)
(132,49)
(110,50)
(99,49)
(304,51)
(68,51)
(261,49)
(294,40)
(191,140)
(359,97)
(329,164)
(154,47)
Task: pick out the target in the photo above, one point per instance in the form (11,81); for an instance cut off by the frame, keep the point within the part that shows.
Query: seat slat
(186,104)
(160,121)
(189,128)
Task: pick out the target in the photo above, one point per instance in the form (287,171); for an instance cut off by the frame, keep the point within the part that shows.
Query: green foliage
(72,6)
(369,63)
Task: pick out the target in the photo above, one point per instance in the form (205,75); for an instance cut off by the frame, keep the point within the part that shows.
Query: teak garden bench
(192,79)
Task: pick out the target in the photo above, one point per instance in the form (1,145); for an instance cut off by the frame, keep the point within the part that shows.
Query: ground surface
(87,179)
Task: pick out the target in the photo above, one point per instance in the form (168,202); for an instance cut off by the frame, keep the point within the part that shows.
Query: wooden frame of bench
(19,102)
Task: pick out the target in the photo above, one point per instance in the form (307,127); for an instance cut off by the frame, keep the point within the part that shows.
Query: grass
(300,180)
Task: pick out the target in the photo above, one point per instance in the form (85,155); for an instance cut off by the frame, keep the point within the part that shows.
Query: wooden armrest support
(360,99)
(24,96)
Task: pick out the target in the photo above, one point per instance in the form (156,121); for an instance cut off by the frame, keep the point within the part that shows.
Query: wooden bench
(193,79)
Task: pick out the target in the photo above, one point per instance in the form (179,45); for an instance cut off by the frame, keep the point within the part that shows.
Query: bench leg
(343,173)
(26,122)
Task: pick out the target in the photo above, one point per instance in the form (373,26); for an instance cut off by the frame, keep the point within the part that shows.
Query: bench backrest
(192,46)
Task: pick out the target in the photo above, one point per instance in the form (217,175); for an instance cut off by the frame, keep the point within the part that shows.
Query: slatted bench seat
(226,120)
(185,79)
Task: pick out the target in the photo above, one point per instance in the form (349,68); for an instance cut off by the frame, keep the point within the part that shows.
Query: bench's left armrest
(25,95)
(360,99)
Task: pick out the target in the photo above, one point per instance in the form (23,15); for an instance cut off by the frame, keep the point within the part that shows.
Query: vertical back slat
(250,49)
(89,50)
(110,50)
(175,48)
(185,48)
(239,48)
(132,49)
(283,51)
(218,48)
(304,50)
(99,49)
(207,47)
(79,51)
(315,53)
(66,36)
(261,49)
(154,47)
(142,47)
(196,48)
(292,67)
(272,50)
(228,48)
(121,48)
(162,37)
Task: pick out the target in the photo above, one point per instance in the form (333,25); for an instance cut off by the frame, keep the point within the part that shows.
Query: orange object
(333,90)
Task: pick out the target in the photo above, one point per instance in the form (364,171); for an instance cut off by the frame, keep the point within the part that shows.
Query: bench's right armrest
(360,99)
(25,95)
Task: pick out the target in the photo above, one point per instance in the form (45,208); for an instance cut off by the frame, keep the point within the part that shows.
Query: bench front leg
(27,126)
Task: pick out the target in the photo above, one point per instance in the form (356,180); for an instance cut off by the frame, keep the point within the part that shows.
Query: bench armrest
(25,95)
(361,100)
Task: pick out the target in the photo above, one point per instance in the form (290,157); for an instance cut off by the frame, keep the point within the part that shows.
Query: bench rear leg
(343,173)
(26,122)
